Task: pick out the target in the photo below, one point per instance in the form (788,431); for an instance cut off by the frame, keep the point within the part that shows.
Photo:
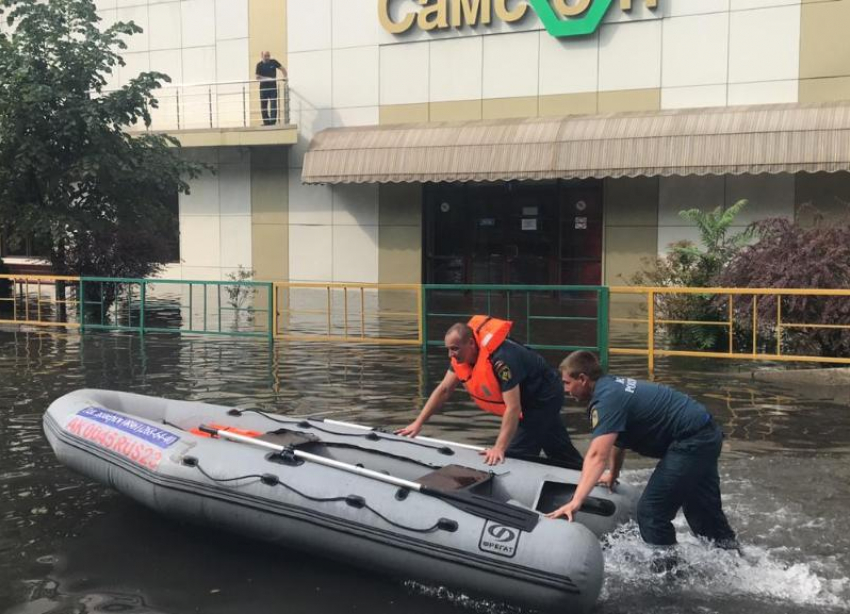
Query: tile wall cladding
(169,62)
(768,196)
(236,241)
(510,65)
(630,57)
(355,23)
(309,25)
(134,63)
(695,50)
(692,192)
(311,79)
(404,70)
(568,66)
(693,97)
(139,16)
(667,235)
(200,241)
(355,254)
(455,69)
(197,18)
(355,77)
(743,5)
(165,30)
(676,8)
(309,204)
(764,45)
(767,92)
(357,116)
(355,205)
(310,253)
(231,19)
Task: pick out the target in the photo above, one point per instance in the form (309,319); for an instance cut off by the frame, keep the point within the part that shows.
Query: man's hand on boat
(493,456)
(411,430)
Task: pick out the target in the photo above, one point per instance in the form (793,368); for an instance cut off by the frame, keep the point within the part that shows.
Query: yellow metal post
(778,324)
(362,313)
(731,325)
(650,310)
(755,322)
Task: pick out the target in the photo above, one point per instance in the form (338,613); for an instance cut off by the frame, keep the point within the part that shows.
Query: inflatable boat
(420,509)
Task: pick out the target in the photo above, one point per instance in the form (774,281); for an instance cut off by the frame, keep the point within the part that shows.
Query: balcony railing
(221,105)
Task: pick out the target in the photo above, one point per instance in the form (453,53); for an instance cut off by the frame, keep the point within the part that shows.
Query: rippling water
(68,545)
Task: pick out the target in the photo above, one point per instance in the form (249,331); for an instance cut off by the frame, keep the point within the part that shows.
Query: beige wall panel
(631,202)
(568,104)
(270,213)
(400,255)
(630,100)
(828,89)
(271,252)
(824,51)
(403,113)
(267,32)
(455,111)
(400,204)
(269,185)
(829,193)
(500,108)
(626,248)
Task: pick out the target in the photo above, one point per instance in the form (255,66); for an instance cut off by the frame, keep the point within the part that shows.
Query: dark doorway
(540,233)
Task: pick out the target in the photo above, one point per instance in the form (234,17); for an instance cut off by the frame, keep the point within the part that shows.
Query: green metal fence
(243,309)
(561,318)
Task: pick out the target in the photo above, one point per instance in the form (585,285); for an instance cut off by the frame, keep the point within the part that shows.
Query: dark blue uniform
(542,396)
(658,422)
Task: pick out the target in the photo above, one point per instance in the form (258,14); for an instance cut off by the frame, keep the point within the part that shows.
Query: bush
(788,255)
(689,266)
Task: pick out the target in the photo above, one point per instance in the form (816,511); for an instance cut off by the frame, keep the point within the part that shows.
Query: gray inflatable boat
(421,509)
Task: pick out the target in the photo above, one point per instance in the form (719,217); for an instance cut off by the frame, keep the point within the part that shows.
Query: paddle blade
(484,507)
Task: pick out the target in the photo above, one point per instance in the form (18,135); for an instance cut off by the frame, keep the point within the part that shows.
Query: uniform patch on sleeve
(503,371)
(594,418)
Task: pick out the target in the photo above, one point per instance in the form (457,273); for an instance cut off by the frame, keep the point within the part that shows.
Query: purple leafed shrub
(787,255)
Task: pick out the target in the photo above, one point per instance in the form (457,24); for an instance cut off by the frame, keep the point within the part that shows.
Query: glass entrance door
(541,233)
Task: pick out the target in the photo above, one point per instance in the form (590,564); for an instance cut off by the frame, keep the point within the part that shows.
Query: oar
(441,442)
(483,507)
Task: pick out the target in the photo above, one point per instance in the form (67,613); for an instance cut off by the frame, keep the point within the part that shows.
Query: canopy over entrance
(787,138)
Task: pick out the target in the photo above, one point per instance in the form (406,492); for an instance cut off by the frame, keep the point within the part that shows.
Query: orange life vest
(480,379)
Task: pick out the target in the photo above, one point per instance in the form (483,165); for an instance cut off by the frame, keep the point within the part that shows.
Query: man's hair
(580,362)
(461,329)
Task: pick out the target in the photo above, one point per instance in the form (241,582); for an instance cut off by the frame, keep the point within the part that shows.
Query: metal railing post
(81,309)
(602,326)
(209,97)
(177,105)
(143,298)
(244,108)
(650,308)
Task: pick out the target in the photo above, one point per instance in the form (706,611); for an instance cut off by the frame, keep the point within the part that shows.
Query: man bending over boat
(505,378)
(658,422)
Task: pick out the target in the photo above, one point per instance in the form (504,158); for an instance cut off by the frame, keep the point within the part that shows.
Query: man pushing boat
(507,379)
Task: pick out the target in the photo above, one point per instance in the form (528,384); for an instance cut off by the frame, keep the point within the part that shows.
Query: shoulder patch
(594,418)
(503,371)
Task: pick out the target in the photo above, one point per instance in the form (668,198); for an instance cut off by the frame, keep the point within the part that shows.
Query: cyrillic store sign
(560,17)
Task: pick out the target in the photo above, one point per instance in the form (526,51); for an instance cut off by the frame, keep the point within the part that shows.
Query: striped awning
(786,138)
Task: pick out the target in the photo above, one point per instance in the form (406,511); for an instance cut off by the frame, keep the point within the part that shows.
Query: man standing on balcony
(267,76)
(509,380)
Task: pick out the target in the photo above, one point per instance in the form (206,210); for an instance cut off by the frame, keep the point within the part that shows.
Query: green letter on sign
(571,27)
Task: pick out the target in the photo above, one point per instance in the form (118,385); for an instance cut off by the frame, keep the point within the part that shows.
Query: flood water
(68,545)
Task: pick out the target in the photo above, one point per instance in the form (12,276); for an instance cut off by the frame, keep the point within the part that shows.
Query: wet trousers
(686,478)
(541,428)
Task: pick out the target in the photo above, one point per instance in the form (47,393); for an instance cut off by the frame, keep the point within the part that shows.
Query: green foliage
(692,266)
(790,255)
(70,174)
(238,293)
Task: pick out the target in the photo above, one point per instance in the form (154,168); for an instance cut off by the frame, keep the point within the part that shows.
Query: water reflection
(69,545)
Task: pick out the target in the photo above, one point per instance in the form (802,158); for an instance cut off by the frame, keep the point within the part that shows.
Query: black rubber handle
(208,430)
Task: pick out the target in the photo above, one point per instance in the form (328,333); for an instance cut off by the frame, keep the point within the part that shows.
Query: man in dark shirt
(266,74)
(532,397)
(658,422)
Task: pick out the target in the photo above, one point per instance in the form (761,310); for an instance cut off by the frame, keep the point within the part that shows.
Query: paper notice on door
(529,223)
(581,223)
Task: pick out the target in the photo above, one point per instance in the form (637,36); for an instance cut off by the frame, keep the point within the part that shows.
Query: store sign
(562,18)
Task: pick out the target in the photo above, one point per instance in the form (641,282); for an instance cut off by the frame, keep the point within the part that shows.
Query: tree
(71,176)
(690,266)
(788,255)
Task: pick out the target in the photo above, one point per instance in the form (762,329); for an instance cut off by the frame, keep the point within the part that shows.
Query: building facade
(452,64)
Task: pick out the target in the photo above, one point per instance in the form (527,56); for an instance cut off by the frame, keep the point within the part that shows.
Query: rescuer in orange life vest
(505,378)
